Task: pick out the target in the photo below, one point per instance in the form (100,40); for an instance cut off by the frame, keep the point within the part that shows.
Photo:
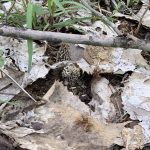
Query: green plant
(132,2)
(9,102)
(45,17)
(30,13)
(69,22)
(1,59)
(56,8)
(16,19)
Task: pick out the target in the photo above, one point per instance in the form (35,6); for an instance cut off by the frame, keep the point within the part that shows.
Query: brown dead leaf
(102,91)
(134,138)
(96,55)
(62,95)
(67,124)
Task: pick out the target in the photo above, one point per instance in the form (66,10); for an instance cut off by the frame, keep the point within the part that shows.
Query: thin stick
(4,93)
(140,22)
(7,86)
(120,41)
(18,85)
(112,25)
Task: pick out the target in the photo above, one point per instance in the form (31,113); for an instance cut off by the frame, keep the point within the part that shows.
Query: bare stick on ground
(119,41)
(18,85)
(140,22)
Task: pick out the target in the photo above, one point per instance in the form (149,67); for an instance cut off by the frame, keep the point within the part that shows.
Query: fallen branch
(119,41)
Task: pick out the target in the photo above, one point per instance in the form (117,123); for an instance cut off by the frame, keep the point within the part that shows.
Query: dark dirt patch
(42,85)
(8,143)
(146,56)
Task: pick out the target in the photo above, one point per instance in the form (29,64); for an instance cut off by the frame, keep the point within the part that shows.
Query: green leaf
(51,6)
(29,15)
(11,103)
(30,53)
(39,10)
(60,6)
(60,13)
(69,9)
(69,22)
(30,12)
(16,19)
(1,59)
(74,3)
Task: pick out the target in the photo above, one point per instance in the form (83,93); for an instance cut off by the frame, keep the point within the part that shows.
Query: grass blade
(29,41)
(60,6)
(30,53)
(74,3)
(29,15)
(51,6)
(1,59)
(69,22)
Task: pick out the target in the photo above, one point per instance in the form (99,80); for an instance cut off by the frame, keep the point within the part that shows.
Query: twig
(4,93)
(140,22)
(1,74)
(101,9)
(130,11)
(104,18)
(12,6)
(7,86)
(18,85)
(119,41)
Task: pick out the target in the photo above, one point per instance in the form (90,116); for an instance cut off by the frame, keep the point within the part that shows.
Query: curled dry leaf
(76,52)
(96,55)
(102,91)
(62,95)
(134,138)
